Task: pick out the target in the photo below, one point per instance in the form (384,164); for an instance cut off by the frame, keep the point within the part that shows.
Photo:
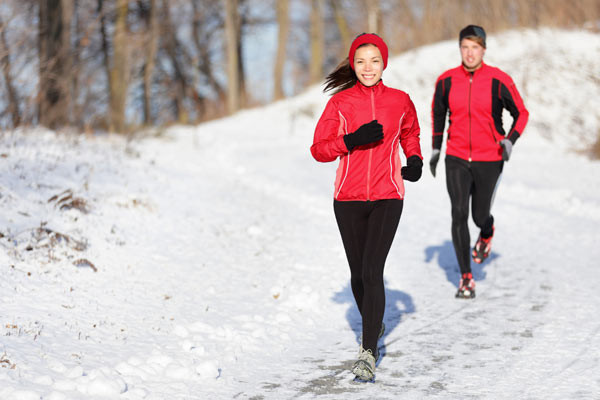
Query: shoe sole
(362,371)
(462,296)
(478,258)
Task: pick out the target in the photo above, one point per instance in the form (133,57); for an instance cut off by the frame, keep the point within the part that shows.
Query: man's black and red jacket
(475,101)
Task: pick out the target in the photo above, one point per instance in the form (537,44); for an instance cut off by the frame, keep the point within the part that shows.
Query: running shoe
(364,367)
(482,249)
(466,287)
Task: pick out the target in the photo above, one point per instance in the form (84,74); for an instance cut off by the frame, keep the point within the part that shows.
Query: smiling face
(368,64)
(471,53)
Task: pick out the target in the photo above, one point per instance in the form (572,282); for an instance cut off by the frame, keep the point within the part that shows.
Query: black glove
(367,133)
(435,157)
(413,170)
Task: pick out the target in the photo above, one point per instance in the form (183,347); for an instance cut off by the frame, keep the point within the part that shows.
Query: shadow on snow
(447,261)
(397,303)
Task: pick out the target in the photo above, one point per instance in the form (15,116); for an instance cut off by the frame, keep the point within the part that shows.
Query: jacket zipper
(470,142)
(371,149)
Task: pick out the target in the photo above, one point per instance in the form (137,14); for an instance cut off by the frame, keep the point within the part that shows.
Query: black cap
(472,30)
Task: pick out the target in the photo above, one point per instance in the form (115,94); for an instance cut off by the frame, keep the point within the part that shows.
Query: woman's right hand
(367,133)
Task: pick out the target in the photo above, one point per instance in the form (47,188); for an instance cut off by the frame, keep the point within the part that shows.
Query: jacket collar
(377,88)
(477,71)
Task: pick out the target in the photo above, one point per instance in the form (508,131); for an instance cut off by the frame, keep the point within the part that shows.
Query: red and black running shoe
(482,249)
(466,287)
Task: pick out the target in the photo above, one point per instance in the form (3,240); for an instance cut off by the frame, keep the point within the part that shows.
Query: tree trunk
(55,62)
(373,16)
(184,88)
(431,17)
(231,36)
(78,34)
(316,42)
(177,91)
(202,47)
(244,100)
(342,26)
(151,46)
(283,29)
(105,43)
(119,70)
(13,98)
(405,27)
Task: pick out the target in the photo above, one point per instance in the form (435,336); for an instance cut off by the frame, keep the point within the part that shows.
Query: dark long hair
(342,78)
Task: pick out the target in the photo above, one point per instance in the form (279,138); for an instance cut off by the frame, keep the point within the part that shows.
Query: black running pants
(477,181)
(367,229)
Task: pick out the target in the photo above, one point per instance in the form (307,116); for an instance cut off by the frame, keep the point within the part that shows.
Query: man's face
(471,53)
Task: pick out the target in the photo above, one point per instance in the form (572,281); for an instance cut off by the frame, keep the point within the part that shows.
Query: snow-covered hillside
(206,263)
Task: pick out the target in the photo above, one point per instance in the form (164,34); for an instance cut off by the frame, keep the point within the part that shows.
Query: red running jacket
(475,101)
(372,171)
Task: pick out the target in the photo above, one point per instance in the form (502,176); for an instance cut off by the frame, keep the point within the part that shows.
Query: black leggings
(368,229)
(477,180)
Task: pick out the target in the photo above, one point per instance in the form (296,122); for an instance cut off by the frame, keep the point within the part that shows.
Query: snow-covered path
(221,274)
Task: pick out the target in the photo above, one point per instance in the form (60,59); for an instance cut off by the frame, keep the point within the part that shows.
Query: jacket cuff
(346,145)
(514,135)
(437,141)
(414,160)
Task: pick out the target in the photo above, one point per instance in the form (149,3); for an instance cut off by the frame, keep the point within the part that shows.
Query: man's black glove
(413,170)
(367,133)
(435,157)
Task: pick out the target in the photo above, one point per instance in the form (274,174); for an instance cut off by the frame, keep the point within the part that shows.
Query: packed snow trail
(221,274)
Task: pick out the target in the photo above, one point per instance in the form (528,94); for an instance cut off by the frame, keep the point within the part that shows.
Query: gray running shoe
(364,367)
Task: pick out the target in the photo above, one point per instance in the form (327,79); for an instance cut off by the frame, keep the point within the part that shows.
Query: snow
(205,262)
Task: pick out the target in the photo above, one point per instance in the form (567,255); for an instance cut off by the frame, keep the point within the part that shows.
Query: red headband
(370,38)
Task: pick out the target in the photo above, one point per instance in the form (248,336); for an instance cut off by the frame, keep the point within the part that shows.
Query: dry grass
(66,201)
(596,148)
(6,363)
(85,263)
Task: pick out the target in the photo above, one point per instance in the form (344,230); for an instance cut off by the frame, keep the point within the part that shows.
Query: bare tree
(174,51)
(151,45)
(206,18)
(317,36)
(405,29)
(79,41)
(243,11)
(342,24)
(55,62)
(119,70)
(231,38)
(105,41)
(283,24)
(373,16)
(5,65)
